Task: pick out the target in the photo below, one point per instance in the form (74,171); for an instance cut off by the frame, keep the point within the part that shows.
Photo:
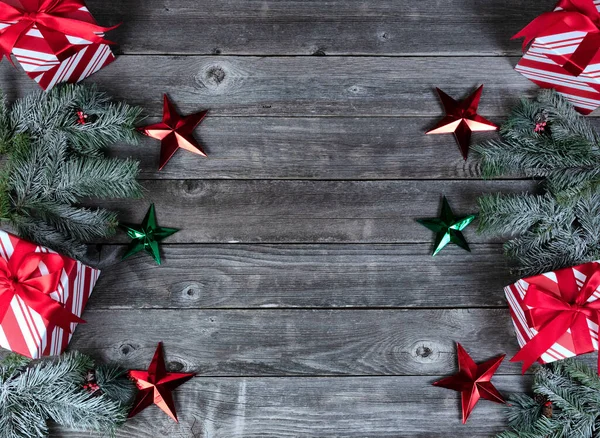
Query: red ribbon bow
(552,315)
(54,19)
(576,15)
(20,276)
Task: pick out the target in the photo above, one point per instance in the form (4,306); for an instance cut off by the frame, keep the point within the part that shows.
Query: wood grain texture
(301,27)
(286,211)
(355,148)
(324,407)
(279,342)
(303,86)
(300,288)
(311,148)
(308,276)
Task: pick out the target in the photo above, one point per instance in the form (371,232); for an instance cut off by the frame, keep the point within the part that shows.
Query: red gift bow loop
(51,17)
(20,276)
(577,15)
(553,315)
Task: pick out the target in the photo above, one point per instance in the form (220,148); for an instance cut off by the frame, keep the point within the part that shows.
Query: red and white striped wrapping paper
(23,330)
(542,65)
(41,64)
(515,293)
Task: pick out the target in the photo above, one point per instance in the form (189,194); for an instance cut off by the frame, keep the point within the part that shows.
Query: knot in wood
(383,36)
(355,89)
(215,75)
(425,352)
(191,187)
(175,366)
(125,349)
(191,291)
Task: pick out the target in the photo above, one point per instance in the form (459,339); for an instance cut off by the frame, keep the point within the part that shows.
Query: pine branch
(53,389)
(100,178)
(516,214)
(115,383)
(572,388)
(565,121)
(53,163)
(46,235)
(78,411)
(545,138)
(115,123)
(11,363)
(545,234)
(6,131)
(78,223)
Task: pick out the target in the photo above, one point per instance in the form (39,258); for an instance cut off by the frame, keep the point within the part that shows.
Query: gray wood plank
(311,148)
(280,211)
(301,27)
(303,86)
(279,342)
(314,148)
(324,407)
(308,276)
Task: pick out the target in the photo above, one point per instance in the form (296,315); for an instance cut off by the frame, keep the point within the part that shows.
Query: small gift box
(556,314)
(564,54)
(42,296)
(53,40)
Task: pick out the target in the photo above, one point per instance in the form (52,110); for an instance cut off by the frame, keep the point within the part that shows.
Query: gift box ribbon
(552,315)
(52,18)
(576,15)
(21,276)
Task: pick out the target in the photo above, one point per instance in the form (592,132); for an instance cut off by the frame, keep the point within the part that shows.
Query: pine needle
(33,392)
(572,389)
(54,163)
(545,138)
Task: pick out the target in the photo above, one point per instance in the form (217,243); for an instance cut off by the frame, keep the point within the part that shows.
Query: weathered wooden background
(300,288)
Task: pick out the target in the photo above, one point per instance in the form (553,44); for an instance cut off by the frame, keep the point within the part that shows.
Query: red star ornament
(156,384)
(175,132)
(462,119)
(473,381)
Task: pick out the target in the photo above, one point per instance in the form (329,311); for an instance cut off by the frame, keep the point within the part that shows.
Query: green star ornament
(448,228)
(146,235)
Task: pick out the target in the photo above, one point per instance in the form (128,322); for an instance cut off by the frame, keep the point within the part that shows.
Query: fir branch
(525,417)
(114,123)
(53,389)
(38,231)
(572,389)
(99,178)
(560,227)
(565,121)
(79,223)
(115,383)
(515,214)
(11,363)
(6,131)
(53,164)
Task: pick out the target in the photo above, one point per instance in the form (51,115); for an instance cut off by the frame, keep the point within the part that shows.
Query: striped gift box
(41,64)
(515,294)
(23,330)
(542,65)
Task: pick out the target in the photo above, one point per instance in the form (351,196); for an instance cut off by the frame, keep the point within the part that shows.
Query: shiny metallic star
(473,381)
(175,132)
(156,385)
(146,235)
(448,228)
(462,119)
